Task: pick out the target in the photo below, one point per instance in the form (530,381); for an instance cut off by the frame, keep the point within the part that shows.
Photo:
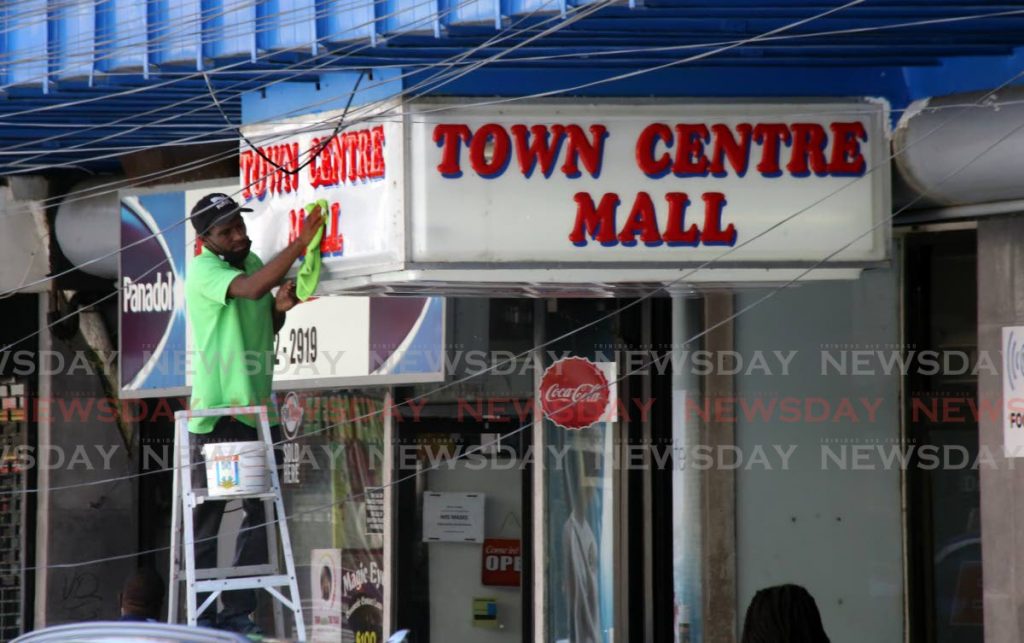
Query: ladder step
(200,496)
(236,572)
(249,582)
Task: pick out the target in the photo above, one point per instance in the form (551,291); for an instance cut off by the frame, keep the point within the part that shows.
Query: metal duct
(88,226)
(938,137)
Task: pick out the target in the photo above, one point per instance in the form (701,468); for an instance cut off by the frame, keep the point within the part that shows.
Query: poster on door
(580,535)
(362,589)
(325,581)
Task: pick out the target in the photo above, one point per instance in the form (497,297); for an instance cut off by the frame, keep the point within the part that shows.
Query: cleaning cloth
(309,273)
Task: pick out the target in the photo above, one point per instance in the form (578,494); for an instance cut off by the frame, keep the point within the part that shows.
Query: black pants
(251,546)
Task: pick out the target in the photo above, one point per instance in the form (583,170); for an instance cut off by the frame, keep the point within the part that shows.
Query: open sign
(502,562)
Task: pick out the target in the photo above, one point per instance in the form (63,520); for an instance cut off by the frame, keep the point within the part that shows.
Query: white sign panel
(345,341)
(453,517)
(357,170)
(1013,391)
(324,338)
(585,185)
(325,589)
(336,341)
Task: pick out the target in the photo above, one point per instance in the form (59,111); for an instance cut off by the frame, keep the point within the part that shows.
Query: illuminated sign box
(439,196)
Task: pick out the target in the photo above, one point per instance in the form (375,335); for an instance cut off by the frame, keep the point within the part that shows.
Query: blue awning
(83,82)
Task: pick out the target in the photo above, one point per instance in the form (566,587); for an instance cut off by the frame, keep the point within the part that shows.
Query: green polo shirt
(233,340)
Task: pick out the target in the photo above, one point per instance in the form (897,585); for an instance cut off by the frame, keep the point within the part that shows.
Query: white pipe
(950,212)
(90,227)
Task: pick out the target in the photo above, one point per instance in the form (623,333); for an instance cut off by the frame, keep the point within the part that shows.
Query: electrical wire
(163,173)
(116,252)
(198,75)
(188,27)
(707,263)
(742,311)
(125,150)
(50,166)
(675,47)
(699,56)
(802,36)
(314,152)
(58,275)
(482,447)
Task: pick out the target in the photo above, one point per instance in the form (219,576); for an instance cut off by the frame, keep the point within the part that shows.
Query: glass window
(337,519)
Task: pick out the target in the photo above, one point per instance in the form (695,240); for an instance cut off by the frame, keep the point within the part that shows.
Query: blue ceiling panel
(346,21)
(121,39)
(175,32)
(227,29)
(288,25)
(73,32)
(409,16)
(26,39)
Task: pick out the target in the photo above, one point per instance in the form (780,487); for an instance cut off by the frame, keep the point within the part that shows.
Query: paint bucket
(236,468)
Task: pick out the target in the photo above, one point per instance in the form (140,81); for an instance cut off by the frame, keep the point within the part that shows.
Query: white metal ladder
(220,579)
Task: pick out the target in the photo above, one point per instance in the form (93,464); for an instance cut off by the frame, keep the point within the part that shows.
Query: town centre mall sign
(577,197)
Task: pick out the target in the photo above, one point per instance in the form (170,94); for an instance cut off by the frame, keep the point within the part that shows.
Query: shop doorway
(589,568)
(944,516)
(455,582)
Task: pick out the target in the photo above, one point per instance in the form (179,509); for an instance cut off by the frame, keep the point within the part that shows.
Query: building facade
(784,280)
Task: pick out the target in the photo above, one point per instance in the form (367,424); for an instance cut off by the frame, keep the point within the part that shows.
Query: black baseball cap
(214,209)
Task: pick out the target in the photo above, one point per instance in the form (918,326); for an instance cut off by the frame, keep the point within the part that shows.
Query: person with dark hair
(233,318)
(142,596)
(783,614)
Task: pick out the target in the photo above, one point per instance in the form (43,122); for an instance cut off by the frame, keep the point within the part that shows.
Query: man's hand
(285,299)
(259,283)
(310,226)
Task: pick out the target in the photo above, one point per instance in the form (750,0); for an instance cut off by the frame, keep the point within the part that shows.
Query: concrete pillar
(719,489)
(24,254)
(1000,303)
(80,443)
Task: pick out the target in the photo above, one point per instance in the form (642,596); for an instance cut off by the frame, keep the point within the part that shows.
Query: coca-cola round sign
(574,393)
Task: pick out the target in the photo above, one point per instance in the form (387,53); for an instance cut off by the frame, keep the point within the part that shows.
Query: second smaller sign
(502,563)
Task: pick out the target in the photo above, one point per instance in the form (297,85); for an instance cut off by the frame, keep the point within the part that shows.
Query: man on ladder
(234,319)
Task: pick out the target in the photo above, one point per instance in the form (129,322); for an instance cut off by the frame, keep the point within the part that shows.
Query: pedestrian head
(783,614)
